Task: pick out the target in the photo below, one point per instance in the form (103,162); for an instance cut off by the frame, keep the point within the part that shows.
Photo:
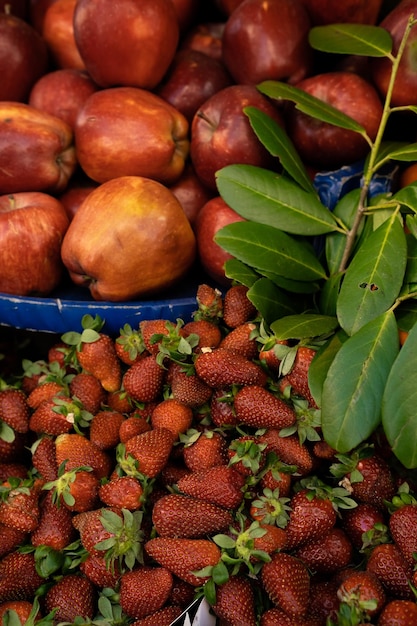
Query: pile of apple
(116,116)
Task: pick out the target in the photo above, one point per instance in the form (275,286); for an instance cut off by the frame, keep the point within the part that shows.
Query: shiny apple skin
(127,131)
(58,33)
(32,227)
(129,239)
(267,40)
(205,37)
(323,12)
(37,151)
(191,193)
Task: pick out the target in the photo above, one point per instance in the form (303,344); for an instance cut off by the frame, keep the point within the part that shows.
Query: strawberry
(220,484)
(95,568)
(324,602)
(273,539)
(123,492)
(270,508)
(289,450)
(104,429)
(151,450)
(14,409)
(97,355)
(184,557)
(19,578)
(366,474)
(17,470)
(203,449)
(363,523)
(387,563)
(76,450)
(287,582)
(88,390)
(144,590)
(360,587)
(260,408)
(278,476)
(398,613)
(129,345)
(242,340)
(210,303)
(53,417)
(23,609)
(10,538)
(237,308)
(132,426)
(222,410)
(328,553)
(403,528)
(143,381)
(209,333)
(73,595)
(186,387)
(152,332)
(76,489)
(172,415)
(297,377)
(61,354)
(221,368)
(44,457)
(55,527)
(182,593)
(45,391)
(163,617)
(246,455)
(120,401)
(12,449)
(235,602)
(19,503)
(177,515)
(171,474)
(277,617)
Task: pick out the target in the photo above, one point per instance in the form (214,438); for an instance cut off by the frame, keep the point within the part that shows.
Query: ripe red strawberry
(398,613)
(387,563)
(45,391)
(44,458)
(152,331)
(363,523)
(10,538)
(144,380)
(270,507)
(98,357)
(187,387)
(12,451)
(297,377)
(88,390)
(19,579)
(359,587)
(22,608)
(171,474)
(274,539)
(203,449)
(279,476)
(221,368)
(242,340)
(73,595)
(76,450)
(55,527)
(237,308)
(75,489)
(220,484)
(327,553)
(60,353)
(235,602)
(151,449)
(177,515)
(246,455)
(258,407)
(222,408)
(403,528)
(209,333)
(14,409)
(144,590)
(173,415)
(131,426)
(124,492)
(17,470)
(163,617)
(210,303)
(104,429)
(129,345)
(183,557)
(19,504)
(289,450)
(52,417)
(95,568)
(120,401)
(277,617)
(287,582)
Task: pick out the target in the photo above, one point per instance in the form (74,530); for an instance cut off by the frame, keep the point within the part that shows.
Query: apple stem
(7,9)
(373,163)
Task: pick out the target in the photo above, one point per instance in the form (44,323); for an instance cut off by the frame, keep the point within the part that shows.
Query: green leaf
(7,433)
(353,388)
(406,314)
(329,294)
(375,276)
(303,326)
(407,196)
(294,286)
(335,243)
(399,416)
(278,143)
(269,249)
(269,198)
(269,300)
(319,366)
(404,152)
(240,272)
(358,39)
(310,105)
(411,269)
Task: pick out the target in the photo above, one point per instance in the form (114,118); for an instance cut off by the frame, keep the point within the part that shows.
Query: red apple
(191,193)
(37,10)
(79,187)
(192,78)
(324,145)
(228,6)
(37,152)
(186,11)
(267,40)
(222,135)
(349,11)
(23,57)
(405,88)
(213,216)
(207,38)
(62,93)
(126,42)
(32,226)
(127,131)
(58,32)
(129,239)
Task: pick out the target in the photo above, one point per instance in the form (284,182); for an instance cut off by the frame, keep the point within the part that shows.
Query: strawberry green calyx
(173,346)
(61,487)
(125,545)
(11,617)
(308,421)
(316,488)
(271,508)
(74,412)
(131,340)
(15,485)
(247,452)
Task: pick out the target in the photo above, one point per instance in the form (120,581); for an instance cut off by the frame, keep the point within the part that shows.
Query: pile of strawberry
(186,459)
